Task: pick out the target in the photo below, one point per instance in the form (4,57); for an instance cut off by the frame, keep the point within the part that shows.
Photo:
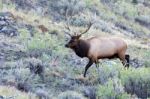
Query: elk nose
(66,45)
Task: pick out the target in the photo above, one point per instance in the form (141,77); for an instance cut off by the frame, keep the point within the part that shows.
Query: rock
(5,15)
(9,31)
(8,26)
(3,23)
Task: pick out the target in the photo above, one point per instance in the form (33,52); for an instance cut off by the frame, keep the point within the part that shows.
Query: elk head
(76,37)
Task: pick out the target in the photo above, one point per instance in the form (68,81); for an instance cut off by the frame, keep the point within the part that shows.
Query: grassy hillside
(32,39)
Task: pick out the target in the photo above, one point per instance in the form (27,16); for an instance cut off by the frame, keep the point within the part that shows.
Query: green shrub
(108,70)
(137,81)
(111,90)
(74,6)
(24,34)
(126,9)
(90,3)
(40,41)
(70,95)
(11,92)
(146,57)
(147,63)
(6,4)
(1,5)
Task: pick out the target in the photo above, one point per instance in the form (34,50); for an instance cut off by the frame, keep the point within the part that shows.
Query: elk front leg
(87,67)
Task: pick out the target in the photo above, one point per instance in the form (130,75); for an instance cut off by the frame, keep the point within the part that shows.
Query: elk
(96,48)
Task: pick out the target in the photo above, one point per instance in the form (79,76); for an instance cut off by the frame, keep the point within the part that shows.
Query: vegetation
(11,92)
(40,38)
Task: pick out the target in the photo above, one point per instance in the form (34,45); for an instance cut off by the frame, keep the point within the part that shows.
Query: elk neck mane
(82,48)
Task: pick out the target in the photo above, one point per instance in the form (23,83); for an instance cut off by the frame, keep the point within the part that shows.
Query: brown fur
(98,48)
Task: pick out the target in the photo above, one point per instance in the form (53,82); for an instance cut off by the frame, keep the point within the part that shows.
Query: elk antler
(90,24)
(67,19)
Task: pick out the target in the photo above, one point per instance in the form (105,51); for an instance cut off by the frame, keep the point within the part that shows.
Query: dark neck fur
(82,48)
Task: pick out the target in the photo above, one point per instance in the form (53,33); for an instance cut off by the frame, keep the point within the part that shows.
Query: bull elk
(96,48)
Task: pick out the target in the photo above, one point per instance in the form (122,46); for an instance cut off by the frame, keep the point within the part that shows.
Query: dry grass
(11,92)
(32,18)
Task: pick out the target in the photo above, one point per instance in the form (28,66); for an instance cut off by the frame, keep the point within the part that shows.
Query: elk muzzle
(67,45)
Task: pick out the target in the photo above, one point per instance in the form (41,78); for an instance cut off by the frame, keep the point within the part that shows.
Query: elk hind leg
(127,57)
(122,57)
(97,66)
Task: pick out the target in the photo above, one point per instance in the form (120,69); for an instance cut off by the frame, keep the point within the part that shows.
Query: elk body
(96,48)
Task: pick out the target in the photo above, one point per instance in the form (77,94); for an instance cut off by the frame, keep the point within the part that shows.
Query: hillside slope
(34,60)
